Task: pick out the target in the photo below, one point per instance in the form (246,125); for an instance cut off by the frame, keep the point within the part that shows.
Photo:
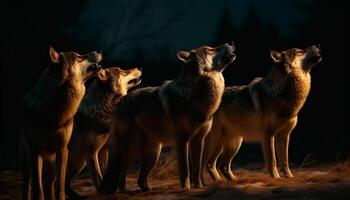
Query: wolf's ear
(183,56)
(102,75)
(276,56)
(54,55)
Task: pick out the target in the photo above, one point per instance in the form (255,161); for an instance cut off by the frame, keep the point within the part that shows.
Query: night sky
(141,33)
(121,27)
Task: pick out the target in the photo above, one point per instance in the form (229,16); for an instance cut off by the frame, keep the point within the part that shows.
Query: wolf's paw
(198,185)
(274,173)
(122,188)
(276,176)
(232,178)
(226,171)
(288,174)
(214,174)
(144,185)
(186,185)
(146,188)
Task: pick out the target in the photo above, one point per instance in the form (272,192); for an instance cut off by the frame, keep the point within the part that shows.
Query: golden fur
(266,110)
(178,112)
(47,121)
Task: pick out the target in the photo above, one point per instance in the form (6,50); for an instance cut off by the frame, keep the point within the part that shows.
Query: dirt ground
(310,183)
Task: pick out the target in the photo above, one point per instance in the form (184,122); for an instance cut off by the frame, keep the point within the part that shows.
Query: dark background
(141,33)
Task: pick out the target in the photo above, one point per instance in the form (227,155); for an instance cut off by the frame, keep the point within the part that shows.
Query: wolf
(178,112)
(47,121)
(93,120)
(266,110)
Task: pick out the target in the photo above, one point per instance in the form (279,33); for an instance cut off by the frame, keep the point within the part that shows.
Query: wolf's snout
(314,55)
(317,48)
(95,56)
(230,47)
(232,44)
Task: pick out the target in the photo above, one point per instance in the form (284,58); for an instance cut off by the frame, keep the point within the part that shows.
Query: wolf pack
(68,125)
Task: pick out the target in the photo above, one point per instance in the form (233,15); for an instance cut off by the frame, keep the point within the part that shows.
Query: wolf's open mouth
(95,67)
(316,57)
(229,58)
(225,61)
(135,81)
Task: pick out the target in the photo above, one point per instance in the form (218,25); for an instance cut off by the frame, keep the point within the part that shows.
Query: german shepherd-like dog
(47,123)
(179,111)
(266,110)
(93,120)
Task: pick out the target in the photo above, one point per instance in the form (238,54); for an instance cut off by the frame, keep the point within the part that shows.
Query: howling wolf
(266,110)
(47,123)
(88,144)
(179,111)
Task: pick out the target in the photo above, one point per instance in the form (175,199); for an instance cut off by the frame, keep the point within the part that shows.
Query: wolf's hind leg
(103,158)
(150,155)
(211,165)
(230,150)
(118,162)
(76,163)
(282,144)
(94,169)
(268,147)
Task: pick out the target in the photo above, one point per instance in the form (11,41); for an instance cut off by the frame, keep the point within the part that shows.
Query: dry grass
(166,167)
(312,180)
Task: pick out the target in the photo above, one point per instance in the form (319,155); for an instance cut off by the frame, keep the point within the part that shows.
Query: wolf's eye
(79,58)
(210,51)
(298,51)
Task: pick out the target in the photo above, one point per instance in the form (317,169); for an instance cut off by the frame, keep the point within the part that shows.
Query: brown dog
(48,121)
(266,110)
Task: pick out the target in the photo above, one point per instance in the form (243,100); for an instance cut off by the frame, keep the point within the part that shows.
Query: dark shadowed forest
(137,33)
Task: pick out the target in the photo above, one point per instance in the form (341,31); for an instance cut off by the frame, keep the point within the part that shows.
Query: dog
(48,112)
(179,111)
(93,120)
(266,110)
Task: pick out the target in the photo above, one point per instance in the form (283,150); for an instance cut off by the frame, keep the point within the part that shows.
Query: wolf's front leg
(197,144)
(182,158)
(268,147)
(61,163)
(197,147)
(38,191)
(282,144)
(49,179)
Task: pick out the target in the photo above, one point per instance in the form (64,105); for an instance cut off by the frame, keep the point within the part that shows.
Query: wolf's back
(134,100)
